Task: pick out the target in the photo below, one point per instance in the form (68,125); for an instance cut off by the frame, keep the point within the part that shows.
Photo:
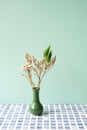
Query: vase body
(36,108)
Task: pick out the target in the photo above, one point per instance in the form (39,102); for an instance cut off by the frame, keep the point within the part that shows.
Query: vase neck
(35,94)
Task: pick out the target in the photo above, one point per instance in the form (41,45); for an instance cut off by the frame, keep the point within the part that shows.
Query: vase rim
(36,88)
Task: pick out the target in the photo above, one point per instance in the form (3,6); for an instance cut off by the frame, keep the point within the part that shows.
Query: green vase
(36,108)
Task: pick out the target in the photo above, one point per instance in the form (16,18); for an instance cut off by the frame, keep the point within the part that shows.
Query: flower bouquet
(37,69)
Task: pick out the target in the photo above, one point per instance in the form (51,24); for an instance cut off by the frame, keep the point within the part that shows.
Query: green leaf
(46,52)
(48,58)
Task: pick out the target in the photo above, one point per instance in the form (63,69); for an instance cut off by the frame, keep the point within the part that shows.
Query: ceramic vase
(36,108)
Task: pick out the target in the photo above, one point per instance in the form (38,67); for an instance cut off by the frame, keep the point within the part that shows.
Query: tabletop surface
(55,116)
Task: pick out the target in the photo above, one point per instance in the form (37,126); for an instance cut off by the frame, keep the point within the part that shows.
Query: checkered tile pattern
(55,117)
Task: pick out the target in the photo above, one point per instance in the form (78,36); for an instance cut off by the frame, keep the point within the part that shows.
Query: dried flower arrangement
(38,68)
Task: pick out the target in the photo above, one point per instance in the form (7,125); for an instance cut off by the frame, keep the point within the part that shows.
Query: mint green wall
(29,26)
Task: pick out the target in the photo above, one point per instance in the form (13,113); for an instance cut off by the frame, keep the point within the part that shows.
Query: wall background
(30,26)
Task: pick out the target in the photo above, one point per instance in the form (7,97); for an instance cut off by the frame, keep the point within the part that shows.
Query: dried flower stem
(40,68)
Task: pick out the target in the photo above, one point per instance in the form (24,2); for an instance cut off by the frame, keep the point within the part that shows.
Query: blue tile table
(55,117)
